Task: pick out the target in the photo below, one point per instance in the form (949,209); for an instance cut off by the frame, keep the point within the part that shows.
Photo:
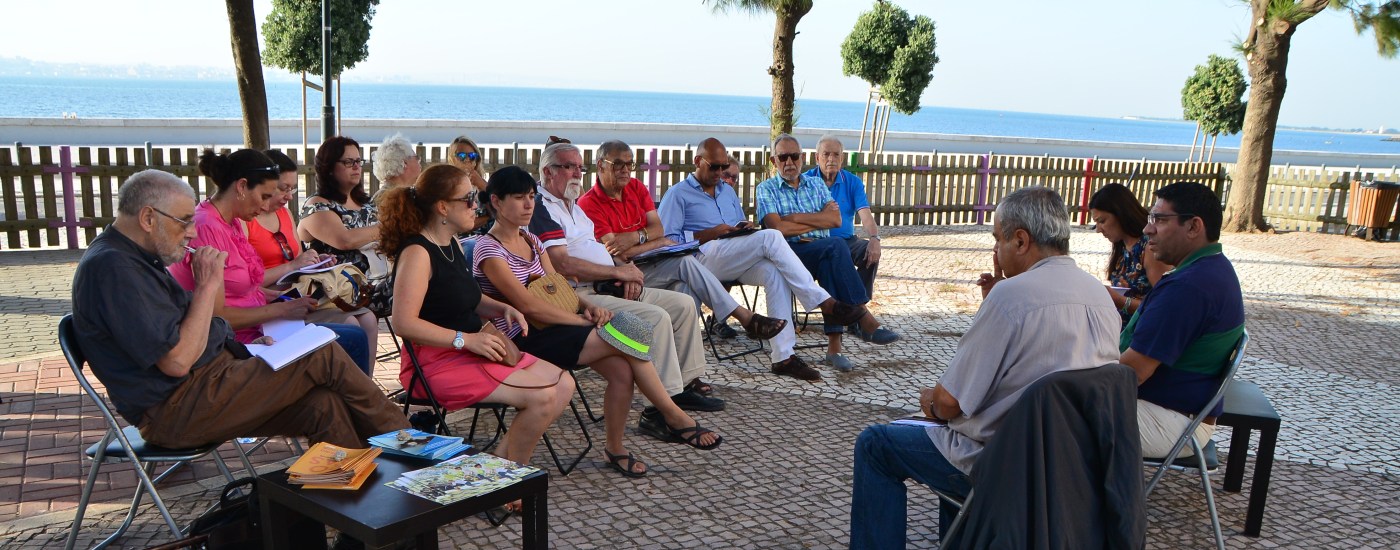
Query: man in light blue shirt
(705,208)
(802,209)
(848,191)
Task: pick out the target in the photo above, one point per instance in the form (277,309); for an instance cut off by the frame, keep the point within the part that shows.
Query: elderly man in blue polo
(801,208)
(848,190)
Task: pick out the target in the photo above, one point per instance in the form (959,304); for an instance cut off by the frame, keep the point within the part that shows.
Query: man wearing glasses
(802,209)
(567,235)
(1179,341)
(848,191)
(625,221)
(705,208)
(174,369)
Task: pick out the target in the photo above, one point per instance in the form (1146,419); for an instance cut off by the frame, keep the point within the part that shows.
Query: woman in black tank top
(438,308)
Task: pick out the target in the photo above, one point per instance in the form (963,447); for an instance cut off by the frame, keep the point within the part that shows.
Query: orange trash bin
(1372,203)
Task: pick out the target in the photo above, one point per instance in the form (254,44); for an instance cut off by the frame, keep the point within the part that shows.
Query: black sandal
(700,386)
(615,460)
(762,327)
(696,432)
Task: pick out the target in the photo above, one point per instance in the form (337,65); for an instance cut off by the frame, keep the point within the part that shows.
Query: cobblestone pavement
(1321,310)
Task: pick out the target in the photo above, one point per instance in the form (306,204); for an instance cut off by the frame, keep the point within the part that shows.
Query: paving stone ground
(1326,348)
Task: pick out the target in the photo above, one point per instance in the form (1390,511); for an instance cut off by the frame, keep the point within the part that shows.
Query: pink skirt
(458,377)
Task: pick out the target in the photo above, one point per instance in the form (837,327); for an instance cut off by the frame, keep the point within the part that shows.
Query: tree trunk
(247,60)
(1194,137)
(784,32)
(1267,56)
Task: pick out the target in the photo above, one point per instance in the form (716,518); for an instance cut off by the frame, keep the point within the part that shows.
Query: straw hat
(629,334)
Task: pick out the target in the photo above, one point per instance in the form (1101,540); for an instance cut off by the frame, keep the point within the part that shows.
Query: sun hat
(629,334)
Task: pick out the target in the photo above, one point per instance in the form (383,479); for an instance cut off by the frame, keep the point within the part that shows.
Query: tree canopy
(1212,96)
(892,51)
(292,34)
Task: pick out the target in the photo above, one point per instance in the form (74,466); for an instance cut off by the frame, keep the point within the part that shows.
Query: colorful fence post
(654,172)
(70,208)
(984,169)
(1089,175)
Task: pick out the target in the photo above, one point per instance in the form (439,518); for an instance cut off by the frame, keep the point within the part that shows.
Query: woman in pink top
(247,182)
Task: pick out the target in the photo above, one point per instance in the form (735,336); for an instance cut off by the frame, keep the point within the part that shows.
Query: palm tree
(788,13)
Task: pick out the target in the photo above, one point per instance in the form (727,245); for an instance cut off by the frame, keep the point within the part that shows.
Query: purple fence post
(983,171)
(70,208)
(654,172)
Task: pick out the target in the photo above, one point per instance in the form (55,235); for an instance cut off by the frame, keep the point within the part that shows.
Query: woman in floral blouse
(1120,218)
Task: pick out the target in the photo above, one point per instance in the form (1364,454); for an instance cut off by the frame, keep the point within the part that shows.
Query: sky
(1108,58)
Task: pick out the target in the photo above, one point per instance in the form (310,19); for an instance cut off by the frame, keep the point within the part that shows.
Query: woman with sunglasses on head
(464,154)
(273,236)
(246,182)
(438,308)
(506,259)
(1120,218)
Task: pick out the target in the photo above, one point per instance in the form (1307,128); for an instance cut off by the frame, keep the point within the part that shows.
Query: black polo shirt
(127,311)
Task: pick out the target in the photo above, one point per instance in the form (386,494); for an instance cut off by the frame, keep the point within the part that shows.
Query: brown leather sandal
(762,327)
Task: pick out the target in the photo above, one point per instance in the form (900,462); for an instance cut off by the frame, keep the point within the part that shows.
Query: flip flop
(614,462)
(700,386)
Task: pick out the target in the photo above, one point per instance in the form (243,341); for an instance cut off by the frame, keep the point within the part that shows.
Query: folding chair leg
(564,470)
(144,485)
(596,418)
(958,520)
(1210,495)
(86,494)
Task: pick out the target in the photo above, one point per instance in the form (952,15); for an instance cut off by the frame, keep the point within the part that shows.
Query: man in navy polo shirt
(1180,340)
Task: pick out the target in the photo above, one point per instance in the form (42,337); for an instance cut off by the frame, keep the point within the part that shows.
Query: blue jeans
(886,455)
(829,261)
(354,341)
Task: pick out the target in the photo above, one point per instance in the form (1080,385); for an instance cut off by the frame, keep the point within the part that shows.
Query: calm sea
(104,98)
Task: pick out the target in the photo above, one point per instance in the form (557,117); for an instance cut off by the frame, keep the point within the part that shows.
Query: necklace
(445,255)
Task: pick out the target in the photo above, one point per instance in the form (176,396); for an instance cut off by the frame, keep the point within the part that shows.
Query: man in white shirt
(567,235)
(1043,315)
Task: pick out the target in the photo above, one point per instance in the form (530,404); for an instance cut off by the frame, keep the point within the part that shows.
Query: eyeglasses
(625,166)
(469,198)
(717,166)
(1156,219)
(570,167)
(184,222)
(788,157)
(467,156)
(350,163)
(284,245)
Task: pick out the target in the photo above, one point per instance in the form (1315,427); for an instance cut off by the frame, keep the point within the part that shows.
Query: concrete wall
(228,132)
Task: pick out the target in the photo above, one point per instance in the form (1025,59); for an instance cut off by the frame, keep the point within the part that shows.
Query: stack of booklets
(419,444)
(327,466)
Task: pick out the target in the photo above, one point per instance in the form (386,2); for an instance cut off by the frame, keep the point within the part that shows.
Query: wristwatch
(642,236)
(457,341)
(874,237)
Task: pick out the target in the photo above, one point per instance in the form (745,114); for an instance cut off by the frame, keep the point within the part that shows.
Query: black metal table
(380,516)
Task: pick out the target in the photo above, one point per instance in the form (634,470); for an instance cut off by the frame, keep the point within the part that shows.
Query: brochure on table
(419,444)
(462,478)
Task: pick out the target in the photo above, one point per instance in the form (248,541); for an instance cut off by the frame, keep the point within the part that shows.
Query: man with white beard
(566,233)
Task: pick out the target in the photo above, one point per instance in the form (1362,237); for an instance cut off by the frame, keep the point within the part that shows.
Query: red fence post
(1089,175)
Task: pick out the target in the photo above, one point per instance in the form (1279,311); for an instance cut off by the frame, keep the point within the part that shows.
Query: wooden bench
(1248,409)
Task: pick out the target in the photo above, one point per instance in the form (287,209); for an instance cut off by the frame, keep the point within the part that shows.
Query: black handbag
(236,523)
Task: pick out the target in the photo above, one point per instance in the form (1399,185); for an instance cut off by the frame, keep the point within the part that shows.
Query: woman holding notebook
(246,182)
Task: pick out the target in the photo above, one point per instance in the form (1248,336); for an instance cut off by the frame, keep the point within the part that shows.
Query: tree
(788,13)
(1211,97)
(1266,53)
(247,62)
(293,34)
(894,54)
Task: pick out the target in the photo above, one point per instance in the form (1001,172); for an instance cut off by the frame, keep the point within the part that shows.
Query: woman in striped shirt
(506,258)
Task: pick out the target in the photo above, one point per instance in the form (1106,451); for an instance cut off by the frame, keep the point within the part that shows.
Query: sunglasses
(350,163)
(284,245)
(718,166)
(274,171)
(469,198)
(788,157)
(616,164)
(467,156)
(556,139)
